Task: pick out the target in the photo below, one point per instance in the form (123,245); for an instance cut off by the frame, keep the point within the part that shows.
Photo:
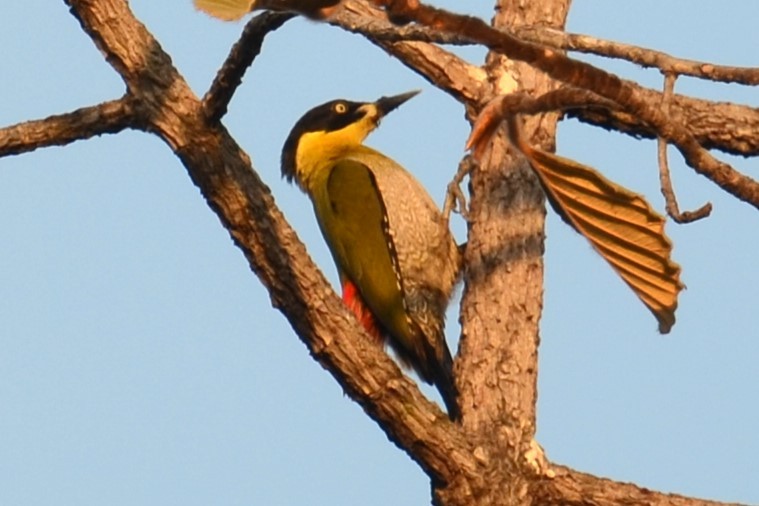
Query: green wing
(353,220)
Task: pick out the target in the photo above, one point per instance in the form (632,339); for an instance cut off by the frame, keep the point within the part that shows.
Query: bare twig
(411,45)
(106,118)
(583,75)
(642,56)
(455,201)
(245,50)
(706,120)
(366,19)
(368,22)
(670,199)
(500,108)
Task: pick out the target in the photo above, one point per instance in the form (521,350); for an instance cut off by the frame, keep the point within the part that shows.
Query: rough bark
(491,457)
(723,126)
(502,302)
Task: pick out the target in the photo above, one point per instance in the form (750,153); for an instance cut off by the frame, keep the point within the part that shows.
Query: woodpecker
(396,258)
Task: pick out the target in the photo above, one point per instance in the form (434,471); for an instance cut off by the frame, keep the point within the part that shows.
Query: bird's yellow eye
(340,108)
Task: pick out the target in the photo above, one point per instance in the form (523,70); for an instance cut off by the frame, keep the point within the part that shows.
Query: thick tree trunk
(502,303)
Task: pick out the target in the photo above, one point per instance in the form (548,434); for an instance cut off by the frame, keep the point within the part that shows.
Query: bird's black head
(328,117)
(337,122)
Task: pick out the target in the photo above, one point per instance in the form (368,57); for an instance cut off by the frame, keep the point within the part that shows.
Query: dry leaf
(620,225)
(489,118)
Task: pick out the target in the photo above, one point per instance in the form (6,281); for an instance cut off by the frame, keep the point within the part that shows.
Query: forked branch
(728,127)
(581,75)
(222,171)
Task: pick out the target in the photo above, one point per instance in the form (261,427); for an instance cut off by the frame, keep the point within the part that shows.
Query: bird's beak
(386,104)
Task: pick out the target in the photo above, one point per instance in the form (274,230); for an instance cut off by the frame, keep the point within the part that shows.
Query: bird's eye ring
(340,108)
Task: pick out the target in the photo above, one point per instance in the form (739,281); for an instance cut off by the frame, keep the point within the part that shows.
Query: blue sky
(142,362)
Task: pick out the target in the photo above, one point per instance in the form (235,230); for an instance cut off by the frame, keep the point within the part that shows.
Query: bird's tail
(442,371)
(431,360)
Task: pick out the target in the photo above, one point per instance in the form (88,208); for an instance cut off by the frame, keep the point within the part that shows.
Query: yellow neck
(317,152)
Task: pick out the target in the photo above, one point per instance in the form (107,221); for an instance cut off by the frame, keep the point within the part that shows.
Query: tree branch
(558,39)
(362,17)
(583,75)
(245,50)
(446,71)
(455,457)
(645,57)
(244,205)
(106,118)
(727,127)
(572,488)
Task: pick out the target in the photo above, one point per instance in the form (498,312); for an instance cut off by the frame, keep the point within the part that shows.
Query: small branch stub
(455,201)
(667,190)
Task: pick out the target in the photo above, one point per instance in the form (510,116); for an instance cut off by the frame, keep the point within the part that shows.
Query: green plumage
(351,209)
